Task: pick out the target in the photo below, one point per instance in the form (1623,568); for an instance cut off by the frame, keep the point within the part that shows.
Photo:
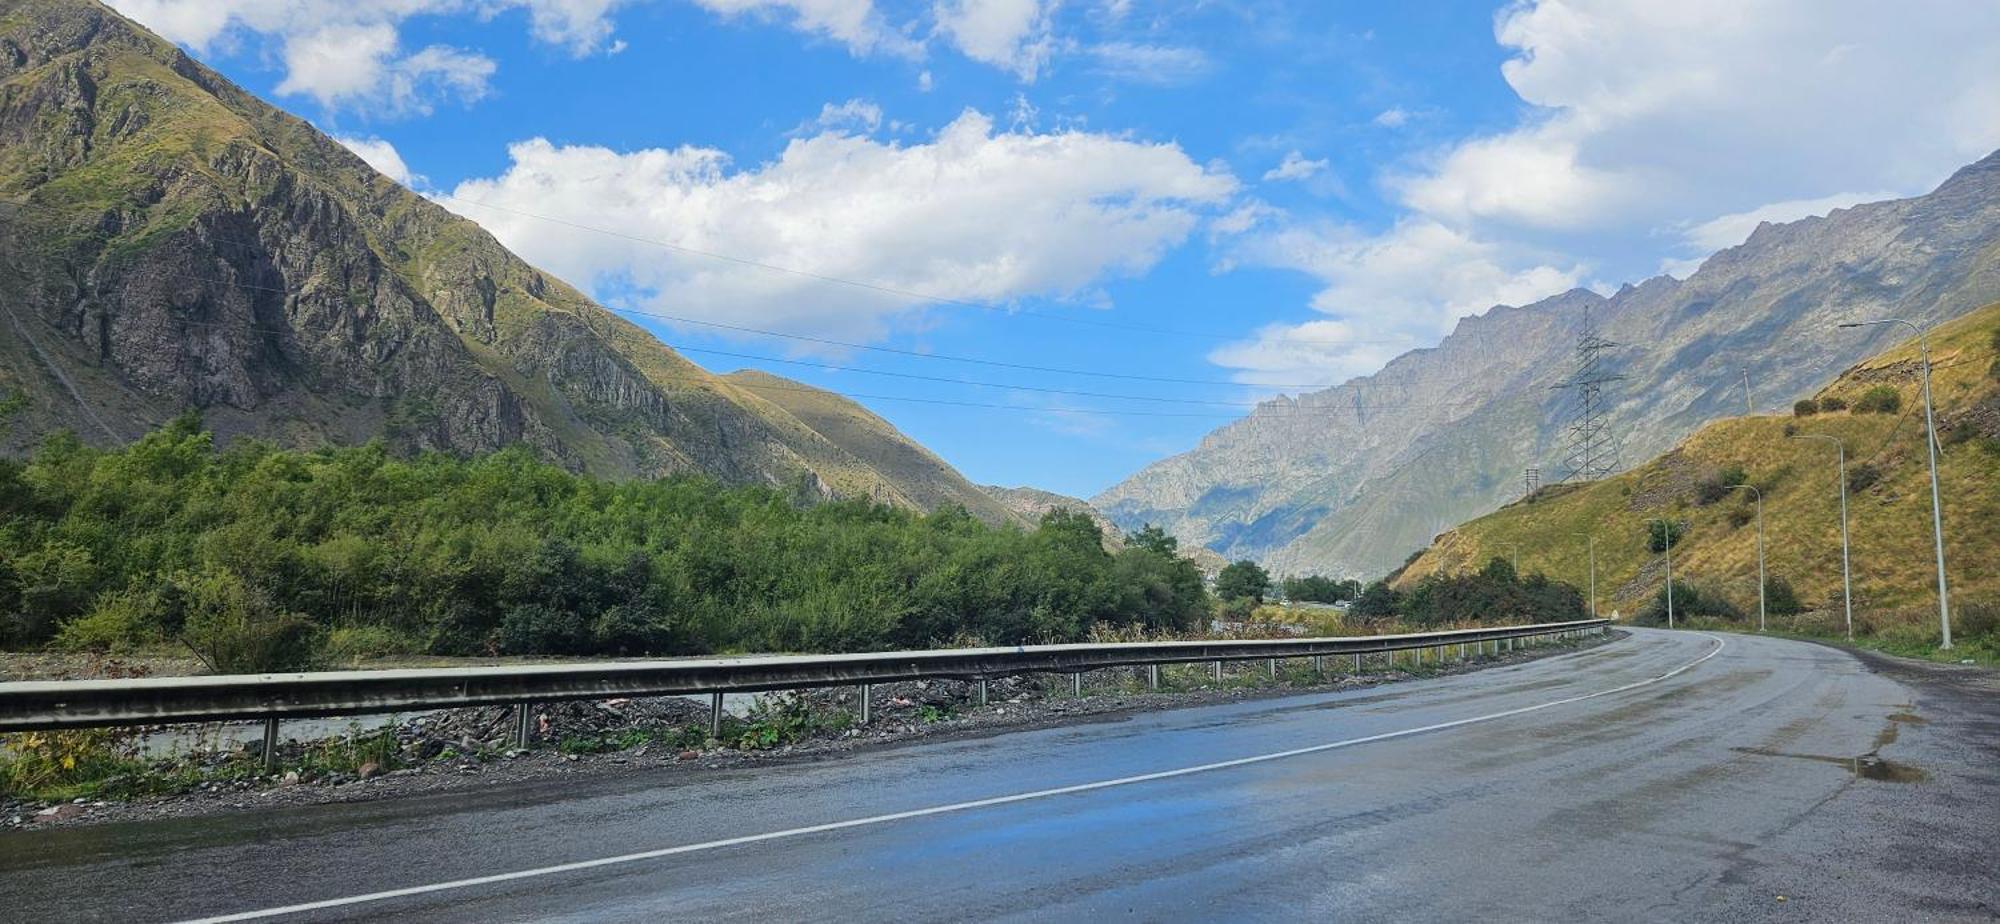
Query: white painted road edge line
(933,810)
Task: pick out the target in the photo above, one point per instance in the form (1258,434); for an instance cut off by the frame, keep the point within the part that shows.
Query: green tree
(1243,579)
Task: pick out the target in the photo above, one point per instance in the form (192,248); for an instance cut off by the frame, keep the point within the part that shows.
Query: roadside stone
(369,770)
(62,812)
(291,778)
(690,754)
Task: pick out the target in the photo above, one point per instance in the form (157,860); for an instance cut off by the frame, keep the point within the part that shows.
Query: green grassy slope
(1890,520)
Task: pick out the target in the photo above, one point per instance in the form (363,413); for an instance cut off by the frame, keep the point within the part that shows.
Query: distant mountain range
(1350,480)
(169,241)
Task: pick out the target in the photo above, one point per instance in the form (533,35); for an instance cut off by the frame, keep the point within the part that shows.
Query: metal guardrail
(49,705)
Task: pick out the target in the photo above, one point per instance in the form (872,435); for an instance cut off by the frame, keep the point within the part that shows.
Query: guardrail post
(1218,672)
(270,743)
(867,703)
(1153,677)
(1271,666)
(982,691)
(715,716)
(521,726)
(1076,683)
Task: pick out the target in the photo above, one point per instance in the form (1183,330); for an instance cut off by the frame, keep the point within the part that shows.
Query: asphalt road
(1776,780)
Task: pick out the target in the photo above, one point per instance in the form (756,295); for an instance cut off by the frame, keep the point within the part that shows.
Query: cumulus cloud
(971,214)
(384,157)
(1295,166)
(1393,290)
(1394,117)
(1011,34)
(349,53)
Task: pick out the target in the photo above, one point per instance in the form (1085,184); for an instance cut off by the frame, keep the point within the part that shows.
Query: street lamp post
(1760,549)
(1667,533)
(1590,542)
(1930,443)
(1846,574)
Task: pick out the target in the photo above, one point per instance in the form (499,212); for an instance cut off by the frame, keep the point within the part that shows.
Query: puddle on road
(1869,766)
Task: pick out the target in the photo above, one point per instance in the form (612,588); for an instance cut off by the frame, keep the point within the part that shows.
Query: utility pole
(1846,574)
(1930,443)
(1667,534)
(1590,542)
(1760,550)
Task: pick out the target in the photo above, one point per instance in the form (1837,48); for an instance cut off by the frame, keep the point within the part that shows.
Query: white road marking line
(933,810)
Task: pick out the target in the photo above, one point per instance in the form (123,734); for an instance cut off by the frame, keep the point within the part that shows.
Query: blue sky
(1245,197)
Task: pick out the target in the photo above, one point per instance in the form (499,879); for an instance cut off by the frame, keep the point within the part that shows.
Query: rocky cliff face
(168,241)
(1349,480)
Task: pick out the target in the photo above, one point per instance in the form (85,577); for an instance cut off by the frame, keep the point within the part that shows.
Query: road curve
(1667,776)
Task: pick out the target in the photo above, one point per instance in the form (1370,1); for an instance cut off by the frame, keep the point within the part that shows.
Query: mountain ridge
(173,242)
(1389,460)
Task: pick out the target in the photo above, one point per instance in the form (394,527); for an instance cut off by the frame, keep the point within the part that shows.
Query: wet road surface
(1775,780)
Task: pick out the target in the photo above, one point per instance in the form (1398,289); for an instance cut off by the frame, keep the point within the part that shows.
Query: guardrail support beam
(715,716)
(982,691)
(521,726)
(1076,683)
(270,743)
(867,703)
(1218,672)
(1153,677)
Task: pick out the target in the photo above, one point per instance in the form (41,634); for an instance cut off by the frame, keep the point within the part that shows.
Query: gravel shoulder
(463,750)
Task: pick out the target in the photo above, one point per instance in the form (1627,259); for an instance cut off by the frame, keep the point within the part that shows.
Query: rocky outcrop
(1348,480)
(168,241)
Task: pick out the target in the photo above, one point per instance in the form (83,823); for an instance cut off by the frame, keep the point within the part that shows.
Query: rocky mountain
(1349,480)
(1031,503)
(169,241)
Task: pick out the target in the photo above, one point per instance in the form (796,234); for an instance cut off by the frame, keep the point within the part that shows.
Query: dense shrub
(1690,602)
(1833,404)
(1805,407)
(1720,484)
(1881,399)
(1378,601)
(1662,533)
(1863,476)
(1493,594)
(266,559)
(1315,588)
(1243,579)
(1779,597)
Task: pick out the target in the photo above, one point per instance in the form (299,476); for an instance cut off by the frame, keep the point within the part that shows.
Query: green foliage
(1881,399)
(1780,599)
(1862,476)
(1378,601)
(1805,407)
(1831,405)
(1493,594)
(262,559)
(1690,602)
(1314,588)
(1719,484)
(1243,579)
(1660,534)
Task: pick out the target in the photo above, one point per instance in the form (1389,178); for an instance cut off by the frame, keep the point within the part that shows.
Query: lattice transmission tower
(1593,451)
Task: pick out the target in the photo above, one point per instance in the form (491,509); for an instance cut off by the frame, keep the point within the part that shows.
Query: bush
(1830,405)
(116,623)
(1805,407)
(1378,601)
(1862,477)
(1720,484)
(1993,371)
(1690,602)
(1740,517)
(1780,599)
(1662,533)
(1243,579)
(1881,399)
(349,644)
(1974,620)
(234,628)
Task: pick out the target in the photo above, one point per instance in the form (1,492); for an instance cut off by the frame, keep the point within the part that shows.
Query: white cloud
(972,214)
(1394,117)
(383,156)
(348,53)
(853,23)
(1011,34)
(854,114)
(1157,65)
(1295,166)
(1658,113)
(1731,230)
(1408,286)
